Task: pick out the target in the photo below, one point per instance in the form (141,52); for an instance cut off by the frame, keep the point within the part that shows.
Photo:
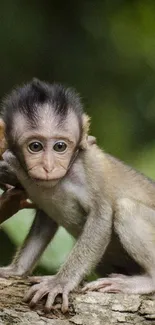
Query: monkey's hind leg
(135,225)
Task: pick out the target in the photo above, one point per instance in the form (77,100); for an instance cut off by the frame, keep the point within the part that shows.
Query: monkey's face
(47,148)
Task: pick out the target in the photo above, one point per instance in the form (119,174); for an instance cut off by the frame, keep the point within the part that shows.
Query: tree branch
(92,308)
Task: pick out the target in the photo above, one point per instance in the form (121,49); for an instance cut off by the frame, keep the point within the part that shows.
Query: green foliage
(106,50)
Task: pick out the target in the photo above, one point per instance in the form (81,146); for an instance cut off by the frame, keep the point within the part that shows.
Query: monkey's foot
(122,283)
(50,286)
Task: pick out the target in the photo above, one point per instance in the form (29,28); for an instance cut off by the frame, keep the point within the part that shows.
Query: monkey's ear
(85,129)
(2,127)
(3,144)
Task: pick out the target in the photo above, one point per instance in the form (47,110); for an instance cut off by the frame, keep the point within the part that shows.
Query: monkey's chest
(64,207)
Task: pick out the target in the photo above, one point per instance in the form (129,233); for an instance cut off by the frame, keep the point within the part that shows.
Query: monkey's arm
(82,259)
(40,234)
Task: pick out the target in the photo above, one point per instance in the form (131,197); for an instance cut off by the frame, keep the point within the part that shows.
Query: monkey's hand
(11,160)
(51,286)
(81,260)
(15,167)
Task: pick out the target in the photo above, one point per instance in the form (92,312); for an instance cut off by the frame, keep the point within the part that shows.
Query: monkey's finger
(38,296)
(50,300)
(31,292)
(14,192)
(4,187)
(24,204)
(65,303)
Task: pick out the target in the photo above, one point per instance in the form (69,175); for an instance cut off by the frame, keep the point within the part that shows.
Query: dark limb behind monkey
(11,201)
(78,186)
(14,197)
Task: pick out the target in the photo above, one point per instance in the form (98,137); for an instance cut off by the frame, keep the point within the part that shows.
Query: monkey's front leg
(85,255)
(40,234)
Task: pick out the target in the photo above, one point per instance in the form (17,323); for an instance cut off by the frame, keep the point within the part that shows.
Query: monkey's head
(44,126)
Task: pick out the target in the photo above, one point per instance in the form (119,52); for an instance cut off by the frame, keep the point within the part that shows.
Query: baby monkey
(78,186)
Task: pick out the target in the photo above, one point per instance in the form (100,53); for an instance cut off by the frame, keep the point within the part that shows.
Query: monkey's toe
(113,288)
(96,285)
(116,283)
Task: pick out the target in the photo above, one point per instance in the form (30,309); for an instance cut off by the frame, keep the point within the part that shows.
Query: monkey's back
(116,179)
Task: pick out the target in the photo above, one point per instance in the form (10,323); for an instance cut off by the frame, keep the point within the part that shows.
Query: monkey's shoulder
(114,178)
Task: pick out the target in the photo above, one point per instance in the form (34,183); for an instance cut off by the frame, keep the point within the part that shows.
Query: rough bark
(92,308)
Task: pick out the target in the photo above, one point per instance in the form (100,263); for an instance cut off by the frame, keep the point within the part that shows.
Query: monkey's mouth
(37,179)
(46,182)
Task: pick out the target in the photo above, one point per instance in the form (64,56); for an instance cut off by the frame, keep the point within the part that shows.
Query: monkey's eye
(60,146)
(35,146)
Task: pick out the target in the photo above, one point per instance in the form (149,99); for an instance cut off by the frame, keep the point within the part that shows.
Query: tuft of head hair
(29,97)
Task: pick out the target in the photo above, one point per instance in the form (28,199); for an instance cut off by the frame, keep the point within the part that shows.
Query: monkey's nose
(48,169)
(48,164)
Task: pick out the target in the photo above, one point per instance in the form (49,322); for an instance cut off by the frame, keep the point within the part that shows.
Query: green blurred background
(106,50)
